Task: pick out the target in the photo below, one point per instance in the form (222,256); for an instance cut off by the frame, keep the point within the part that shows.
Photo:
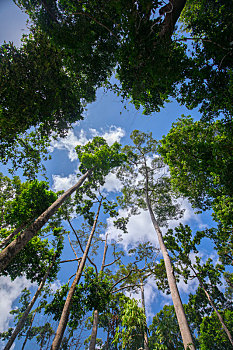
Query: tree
(164,330)
(213,336)
(146,189)
(96,158)
(21,203)
(181,244)
(143,42)
(31,304)
(136,38)
(133,321)
(199,156)
(209,82)
(29,75)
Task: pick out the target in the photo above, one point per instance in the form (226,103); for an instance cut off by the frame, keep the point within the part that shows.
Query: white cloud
(9,292)
(113,134)
(63,183)
(139,229)
(55,286)
(112,183)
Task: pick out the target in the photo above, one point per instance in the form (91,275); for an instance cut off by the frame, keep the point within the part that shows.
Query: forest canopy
(136,222)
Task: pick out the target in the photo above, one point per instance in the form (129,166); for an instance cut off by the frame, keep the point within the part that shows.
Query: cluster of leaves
(133,325)
(199,156)
(91,294)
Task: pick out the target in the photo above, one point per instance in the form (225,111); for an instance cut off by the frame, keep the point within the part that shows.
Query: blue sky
(107,116)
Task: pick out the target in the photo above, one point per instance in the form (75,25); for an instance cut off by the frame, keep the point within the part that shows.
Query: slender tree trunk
(20,242)
(94,330)
(146,347)
(11,235)
(26,338)
(178,306)
(96,313)
(28,309)
(216,311)
(66,309)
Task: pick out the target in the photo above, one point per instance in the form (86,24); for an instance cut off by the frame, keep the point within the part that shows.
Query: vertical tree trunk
(178,306)
(146,346)
(216,311)
(66,309)
(20,242)
(96,313)
(28,309)
(26,338)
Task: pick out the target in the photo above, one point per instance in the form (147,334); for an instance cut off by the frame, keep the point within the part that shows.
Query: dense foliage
(157,50)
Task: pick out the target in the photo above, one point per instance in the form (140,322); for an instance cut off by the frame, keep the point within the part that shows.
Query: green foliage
(91,294)
(143,174)
(212,335)
(34,259)
(33,199)
(133,325)
(164,330)
(29,76)
(200,160)
(209,83)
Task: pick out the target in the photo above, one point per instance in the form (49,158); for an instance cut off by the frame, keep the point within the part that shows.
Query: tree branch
(81,245)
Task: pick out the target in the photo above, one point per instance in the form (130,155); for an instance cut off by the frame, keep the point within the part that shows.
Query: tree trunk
(66,309)
(146,347)
(96,313)
(20,242)
(26,338)
(172,13)
(178,306)
(27,311)
(216,311)
(11,235)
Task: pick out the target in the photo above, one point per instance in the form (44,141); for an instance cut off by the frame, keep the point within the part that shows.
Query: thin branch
(112,262)
(64,261)
(81,245)
(72,246)
(71,277)
(95,20)
(202,39)
(123,278)
(125,287)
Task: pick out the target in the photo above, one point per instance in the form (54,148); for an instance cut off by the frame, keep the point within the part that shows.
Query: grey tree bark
(96,313)
(178,306)
(66,309)
(20,242)
(146,346)
(27,311)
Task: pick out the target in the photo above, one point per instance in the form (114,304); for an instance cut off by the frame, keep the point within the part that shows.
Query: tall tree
(97,158)
(199,156)
(31,304)
(181,245)
(65,313)
(146,187)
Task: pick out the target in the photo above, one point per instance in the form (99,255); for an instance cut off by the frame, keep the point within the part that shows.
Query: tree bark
(216,311)
(178,306)
(146,347)
(27,311)
(96,313)
(11,235)
(66,309)
(172,13)
(26,338)
(20,242)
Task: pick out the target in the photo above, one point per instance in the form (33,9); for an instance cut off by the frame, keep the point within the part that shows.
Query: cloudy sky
(106,117)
